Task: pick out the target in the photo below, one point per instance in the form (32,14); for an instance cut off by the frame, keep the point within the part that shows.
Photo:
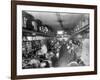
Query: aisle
(65,57)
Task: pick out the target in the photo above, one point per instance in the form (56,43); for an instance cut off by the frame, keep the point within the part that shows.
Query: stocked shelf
(34,33)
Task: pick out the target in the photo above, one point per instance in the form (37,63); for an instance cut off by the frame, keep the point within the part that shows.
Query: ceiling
(69,20)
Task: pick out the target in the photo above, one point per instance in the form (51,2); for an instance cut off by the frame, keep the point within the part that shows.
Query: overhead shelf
(34,33)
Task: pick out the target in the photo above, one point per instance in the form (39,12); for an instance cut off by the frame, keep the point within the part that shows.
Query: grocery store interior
(54,39)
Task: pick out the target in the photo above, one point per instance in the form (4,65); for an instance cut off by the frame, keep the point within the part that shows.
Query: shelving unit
(34,33)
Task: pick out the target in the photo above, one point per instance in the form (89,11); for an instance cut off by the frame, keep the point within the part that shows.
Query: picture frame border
(14,39)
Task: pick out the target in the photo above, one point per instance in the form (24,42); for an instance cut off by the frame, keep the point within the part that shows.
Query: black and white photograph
(52,40)
(55,39)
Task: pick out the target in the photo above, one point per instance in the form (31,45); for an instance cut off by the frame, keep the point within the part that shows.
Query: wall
(5,40)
